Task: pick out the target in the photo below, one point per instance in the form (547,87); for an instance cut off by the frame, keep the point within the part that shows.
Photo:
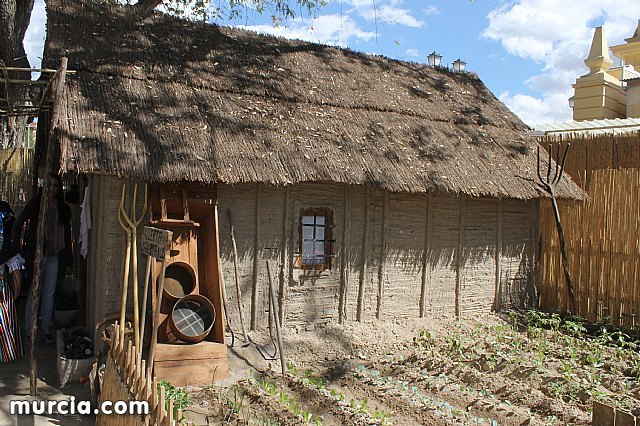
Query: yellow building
(609,92)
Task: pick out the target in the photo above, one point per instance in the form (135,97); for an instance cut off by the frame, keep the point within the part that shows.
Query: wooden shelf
(176,222)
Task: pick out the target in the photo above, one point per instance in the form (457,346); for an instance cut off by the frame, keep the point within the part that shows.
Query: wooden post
(143,307)
(274,310)
(127,260)
(283,258)
(256,249)
(156,243)
(156,316)
(344,257)
(497,303)
(425,259)
(459,278)
(237,279)
(44,204)
(383,254)
(365,254)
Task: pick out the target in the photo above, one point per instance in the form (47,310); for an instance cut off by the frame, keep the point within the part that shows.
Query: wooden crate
(198,364)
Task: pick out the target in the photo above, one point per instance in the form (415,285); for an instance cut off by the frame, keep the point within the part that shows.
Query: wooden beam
(10,81)
(497,303)
(383,254)
(365,254)
(426,271)
(535,231)
(284,257)
(459,277)
(44,202)
(344,256)
(213,281)
(256,250)
(43,70)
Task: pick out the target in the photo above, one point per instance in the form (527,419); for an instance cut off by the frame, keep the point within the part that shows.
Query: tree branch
(146,6)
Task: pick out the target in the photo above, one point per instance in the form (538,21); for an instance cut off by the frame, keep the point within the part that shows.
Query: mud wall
(395,255)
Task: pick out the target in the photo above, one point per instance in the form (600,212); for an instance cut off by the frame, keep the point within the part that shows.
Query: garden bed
(519,368)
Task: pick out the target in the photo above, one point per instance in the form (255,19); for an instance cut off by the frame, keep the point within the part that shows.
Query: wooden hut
(378,188)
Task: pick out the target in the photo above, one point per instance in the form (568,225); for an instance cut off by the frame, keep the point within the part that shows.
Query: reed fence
(16,176)
(602,232)
(127,378)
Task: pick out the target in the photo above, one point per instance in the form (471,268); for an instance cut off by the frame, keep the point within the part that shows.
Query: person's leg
(49,279)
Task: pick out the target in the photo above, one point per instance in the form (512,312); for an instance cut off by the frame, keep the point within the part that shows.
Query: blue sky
(528,52)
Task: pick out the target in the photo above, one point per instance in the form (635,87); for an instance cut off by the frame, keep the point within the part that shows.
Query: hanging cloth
(85,223)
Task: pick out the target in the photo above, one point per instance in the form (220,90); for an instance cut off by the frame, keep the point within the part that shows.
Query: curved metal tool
(548,183)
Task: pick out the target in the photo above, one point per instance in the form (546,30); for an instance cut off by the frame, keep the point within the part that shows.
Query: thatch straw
(161,99)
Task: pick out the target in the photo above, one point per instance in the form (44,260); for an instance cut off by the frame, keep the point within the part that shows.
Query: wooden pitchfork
(130,224)
(548,183)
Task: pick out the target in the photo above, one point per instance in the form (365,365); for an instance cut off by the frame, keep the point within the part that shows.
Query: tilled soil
(488,370)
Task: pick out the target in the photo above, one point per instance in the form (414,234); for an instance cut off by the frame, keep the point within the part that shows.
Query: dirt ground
(524,368)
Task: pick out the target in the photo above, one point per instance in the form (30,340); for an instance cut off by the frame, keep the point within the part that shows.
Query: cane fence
(602,232)
(16,177)
(127,378)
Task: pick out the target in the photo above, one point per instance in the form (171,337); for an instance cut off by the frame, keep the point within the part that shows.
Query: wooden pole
(143,307)
(156,317)
(497,304)
(459,265)
(237,277)
(44,204)
(383,255)
(274,309)
(134,269)
(286,247)
(256,249)
(127,260)
(365,254)
(344,256)
(425,257)
(225,306)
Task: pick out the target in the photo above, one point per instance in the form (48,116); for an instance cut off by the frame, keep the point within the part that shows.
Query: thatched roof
(162,99)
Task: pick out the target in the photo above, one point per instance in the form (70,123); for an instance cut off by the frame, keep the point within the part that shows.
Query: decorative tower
(629,52)
(599,94)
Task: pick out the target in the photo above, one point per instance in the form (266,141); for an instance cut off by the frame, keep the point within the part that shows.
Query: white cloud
(34,37)
(431,10)
(334,29)
(556,35)
(386,11)
(550,108)
(412,53)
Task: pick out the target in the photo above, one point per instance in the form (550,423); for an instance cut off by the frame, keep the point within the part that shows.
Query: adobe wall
(396,255)
(419,238)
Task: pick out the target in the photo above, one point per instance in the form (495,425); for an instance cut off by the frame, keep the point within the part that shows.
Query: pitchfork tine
(555,174)
(564,159)
(539,174)
(549,163)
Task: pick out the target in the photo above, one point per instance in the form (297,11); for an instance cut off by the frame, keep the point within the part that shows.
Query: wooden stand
(190,212)
(196,364)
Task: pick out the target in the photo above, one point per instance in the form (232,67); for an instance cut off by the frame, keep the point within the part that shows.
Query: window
(315,238)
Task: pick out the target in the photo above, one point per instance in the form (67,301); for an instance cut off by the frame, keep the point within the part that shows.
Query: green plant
(424,339)
(455,346)
(234,402)
(594,357)
(283,397)
(573,328)
(179,395)
(514,320)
